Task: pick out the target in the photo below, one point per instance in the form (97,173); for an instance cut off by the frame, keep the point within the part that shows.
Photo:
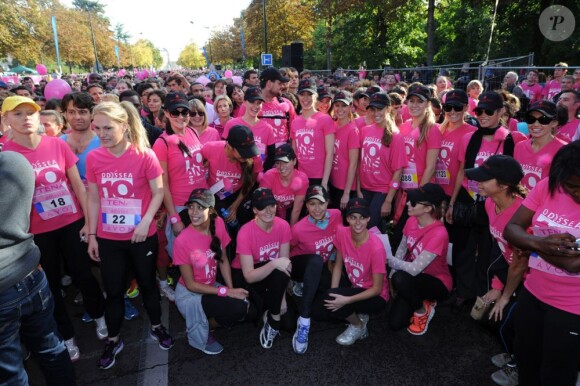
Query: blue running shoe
(130,311)
(86,318)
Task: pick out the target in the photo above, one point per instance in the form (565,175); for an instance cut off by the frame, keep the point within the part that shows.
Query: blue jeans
(26,312)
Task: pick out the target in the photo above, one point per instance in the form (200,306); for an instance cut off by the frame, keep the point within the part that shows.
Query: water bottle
(225,214)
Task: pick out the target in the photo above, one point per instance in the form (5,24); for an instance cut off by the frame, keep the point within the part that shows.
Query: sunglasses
(196,113)
(183,113)
(487,112)
(448,108)
(414,203)
(544,120)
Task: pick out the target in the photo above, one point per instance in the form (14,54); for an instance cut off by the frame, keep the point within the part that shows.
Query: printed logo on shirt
(532,175)
(202,261)
(325,247)
(557,220)
(52,196)
(194,164)
(417,247)
(118,185)
(305,143)
(278,124)
(371,148)
(335,154)
(355,270)
(269,251)
(284,201)
(410,148)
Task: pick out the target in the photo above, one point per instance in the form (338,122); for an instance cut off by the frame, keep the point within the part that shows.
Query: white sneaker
(507,376)
(267,334)
(300,338)
(351,335)
(500,360)
(102,331)
(73,349)
(168,292)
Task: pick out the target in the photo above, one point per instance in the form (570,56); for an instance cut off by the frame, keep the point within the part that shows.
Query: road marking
(153,362)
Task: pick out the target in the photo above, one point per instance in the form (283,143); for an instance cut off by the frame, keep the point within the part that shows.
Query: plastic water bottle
(225,214)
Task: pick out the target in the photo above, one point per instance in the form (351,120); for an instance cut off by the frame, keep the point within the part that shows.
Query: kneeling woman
(263,250)
(422,277)
(197,251)
(364,257)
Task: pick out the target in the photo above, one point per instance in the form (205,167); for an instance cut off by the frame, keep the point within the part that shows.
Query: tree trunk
(430,32)
(328,37)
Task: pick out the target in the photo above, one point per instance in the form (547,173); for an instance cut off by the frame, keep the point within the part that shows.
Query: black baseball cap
(262,197)
(202,196)
(318,192)
(175,100)
(501,167)
(548,108)
(343,96)
(284,153)
(253,94)
(323,93)
(370,91)
(456,98)
(379,100)
(429,192)
(358,205)
(306,85)
(420,91)
(273,74)
(241,138)
(490,100)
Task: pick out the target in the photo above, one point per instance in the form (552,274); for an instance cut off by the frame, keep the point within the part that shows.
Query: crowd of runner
(319,199)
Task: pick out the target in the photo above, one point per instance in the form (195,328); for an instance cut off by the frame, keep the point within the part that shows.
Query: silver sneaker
(500,360)
(364,318)
(297,288)
(507,376)
(102,331)
(352,334)
(268,334)
(168,292)
(73,350)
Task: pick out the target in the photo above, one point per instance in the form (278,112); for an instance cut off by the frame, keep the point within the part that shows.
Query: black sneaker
(161,335)
(107,360)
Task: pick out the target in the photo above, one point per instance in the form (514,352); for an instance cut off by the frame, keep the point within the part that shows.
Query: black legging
(308,270)
(547,343)
(410,292)
(373,305)
(267,293)
(225,310)
(116,257)
(66,242)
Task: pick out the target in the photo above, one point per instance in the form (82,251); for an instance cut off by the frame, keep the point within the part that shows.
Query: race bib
(536,261)
(442,175)
(409,178)
(53,200)
(120,215)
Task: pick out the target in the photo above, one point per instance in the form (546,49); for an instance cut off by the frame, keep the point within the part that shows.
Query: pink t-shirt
(124,190)
(361,122)
(533,92)
(551,89)
(379,162)
(472,106)
(497,223)
(221,168)
(362,262)
(553,214)
(263,133)
(417,155)
(405,115)
(536,165)
(185,173)
(346,138)
(513,124)
(566,132)
(309,137)
(486,150)
(278,111)
(192,248)
(261,245)
(307,238)
(285,195)
(54,203)
(432,238)
(448,161)
(210,134)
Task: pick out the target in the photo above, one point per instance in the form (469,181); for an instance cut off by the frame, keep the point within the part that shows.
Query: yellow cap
(13,102)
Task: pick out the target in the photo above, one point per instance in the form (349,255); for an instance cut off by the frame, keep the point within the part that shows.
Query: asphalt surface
(454,351)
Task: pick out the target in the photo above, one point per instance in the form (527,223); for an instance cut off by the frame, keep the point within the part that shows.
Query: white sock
(304,321)
(163,283)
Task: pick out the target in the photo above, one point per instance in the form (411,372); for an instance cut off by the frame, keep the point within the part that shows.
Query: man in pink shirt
(530,86)
(570,100)
(554,86)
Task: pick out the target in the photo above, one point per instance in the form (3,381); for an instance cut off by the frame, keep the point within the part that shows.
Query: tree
(191,57)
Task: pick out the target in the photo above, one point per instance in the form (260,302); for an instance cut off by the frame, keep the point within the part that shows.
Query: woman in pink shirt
(287,183)
(312,135)
(474,90)
(262,264)
(547,320)
(125,192)
(263,132)
(198,121)
(366,291)
(346,151)
(499,180)
(312,247)
(420,276)
(223,108)
(382,159)
(536,154)
(236,95)
(58,216)
(199,250)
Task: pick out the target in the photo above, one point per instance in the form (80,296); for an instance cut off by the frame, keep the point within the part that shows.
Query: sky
(167,23)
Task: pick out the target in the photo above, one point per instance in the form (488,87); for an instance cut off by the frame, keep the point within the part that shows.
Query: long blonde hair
(389,126)
(426,124)
(126,113)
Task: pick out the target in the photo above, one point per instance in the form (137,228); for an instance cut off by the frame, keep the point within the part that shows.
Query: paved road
(455,351)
